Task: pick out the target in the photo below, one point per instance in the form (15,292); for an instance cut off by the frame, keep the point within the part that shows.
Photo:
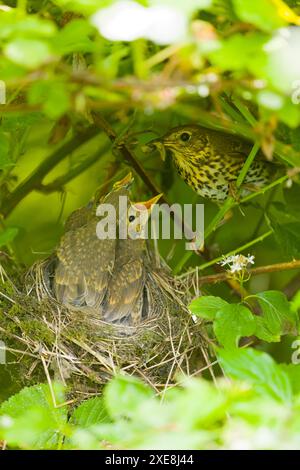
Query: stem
(244,111)
(236,250)
(101,123)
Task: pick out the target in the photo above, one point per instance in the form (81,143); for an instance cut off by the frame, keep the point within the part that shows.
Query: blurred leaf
(293,372)
(295,138)
(292,198)
(261,13)
(270,100)
(30,420)
(30,26)
(52,95)
(228,55)
(284,221)
(8,235)
(207,306)
(188,7)
(83,6)
(259,370)
(90,412)
(74,38)
(289,113)
(124,394)
(233,321)
(288,237)
(198,392)
(30,53)
(280,68)
(263,332)
(15,122)
(295,302)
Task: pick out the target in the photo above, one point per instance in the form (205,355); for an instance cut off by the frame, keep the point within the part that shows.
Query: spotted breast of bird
(210,161)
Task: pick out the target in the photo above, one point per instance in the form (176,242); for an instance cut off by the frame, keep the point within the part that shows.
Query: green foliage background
(237,70)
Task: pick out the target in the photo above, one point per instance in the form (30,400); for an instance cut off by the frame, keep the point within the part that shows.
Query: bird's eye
(185,136)
(131,218)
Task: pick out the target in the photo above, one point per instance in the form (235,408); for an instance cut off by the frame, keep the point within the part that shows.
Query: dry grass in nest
(84,352)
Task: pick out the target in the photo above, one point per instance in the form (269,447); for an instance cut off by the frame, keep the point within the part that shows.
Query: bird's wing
(230,145)
(236,147)
(84,267)
(124,300)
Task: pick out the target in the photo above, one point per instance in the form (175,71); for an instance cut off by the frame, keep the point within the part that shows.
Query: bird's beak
(155,144)
(148,205)
(124,183)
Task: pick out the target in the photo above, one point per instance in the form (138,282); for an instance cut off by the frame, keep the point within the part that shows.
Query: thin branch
(258,239)
(101,123)
(271,268)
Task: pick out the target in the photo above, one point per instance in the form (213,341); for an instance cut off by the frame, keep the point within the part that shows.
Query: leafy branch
(35,179)
(271,268)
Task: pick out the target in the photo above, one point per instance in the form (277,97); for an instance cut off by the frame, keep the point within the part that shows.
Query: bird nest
(44,338)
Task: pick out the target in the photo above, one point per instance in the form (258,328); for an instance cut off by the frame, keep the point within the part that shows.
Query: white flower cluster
(237,263)
(127,20)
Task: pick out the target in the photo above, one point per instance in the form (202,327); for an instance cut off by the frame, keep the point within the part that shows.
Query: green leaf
(4,150)
(286,229)
(277,314)
(8,235)
(207,306)
(52,95)
(90,412)
(30,420)
(288,238)
(259,370)
(280,69)
(261,13)
(74,38)
(232,322)
(292,194)
(85,7)
(187,7)
(30,26)
(228,55)
(124,394)
(295,302)
(30,53)
(293,372)
(263,332)
(270,100)
(289,113)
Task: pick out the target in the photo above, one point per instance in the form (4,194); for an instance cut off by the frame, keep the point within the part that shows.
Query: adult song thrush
(210,161)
